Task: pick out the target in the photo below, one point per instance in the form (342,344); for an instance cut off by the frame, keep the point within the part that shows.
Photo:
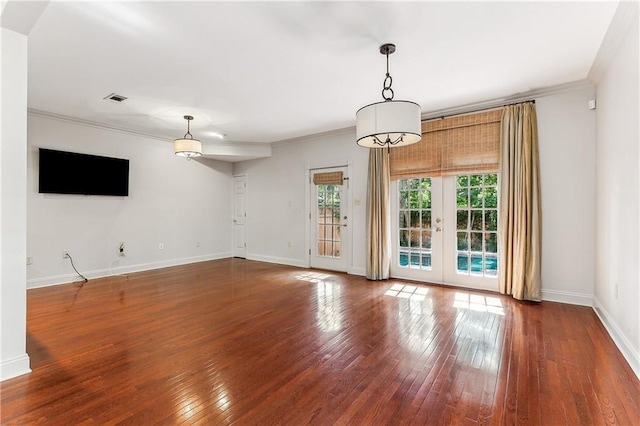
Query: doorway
(329,219)
(239,216)
(445,230)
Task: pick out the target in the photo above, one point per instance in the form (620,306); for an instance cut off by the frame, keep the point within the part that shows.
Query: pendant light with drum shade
(388,123)
(187,146)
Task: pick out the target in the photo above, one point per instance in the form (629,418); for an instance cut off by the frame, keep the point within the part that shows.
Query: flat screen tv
(64,172)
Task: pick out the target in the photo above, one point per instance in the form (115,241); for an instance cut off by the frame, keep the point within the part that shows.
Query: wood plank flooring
(249,343)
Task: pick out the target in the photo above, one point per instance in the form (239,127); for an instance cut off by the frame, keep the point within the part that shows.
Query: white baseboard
(281,260)
(567,297)
(120,270)
(358,271)
(621,341)
(14,367)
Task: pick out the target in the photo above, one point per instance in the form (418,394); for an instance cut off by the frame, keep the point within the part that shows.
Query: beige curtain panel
(378,216)
(520,211)
(449,146)
(327,178)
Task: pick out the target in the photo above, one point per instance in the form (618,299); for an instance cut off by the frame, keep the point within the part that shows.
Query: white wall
(14,360)
(566,134)
(276,196)
(567,156)
(171,201)
(617,293)
(274,182)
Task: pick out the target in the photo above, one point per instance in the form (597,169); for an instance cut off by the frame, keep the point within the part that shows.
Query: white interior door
(239,216)
(329,240)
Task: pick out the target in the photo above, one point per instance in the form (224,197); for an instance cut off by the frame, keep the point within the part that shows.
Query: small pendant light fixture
(187,146)
(388,123)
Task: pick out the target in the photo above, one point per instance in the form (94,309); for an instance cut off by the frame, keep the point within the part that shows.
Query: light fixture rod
(188,118)
(387,92)
(387,54)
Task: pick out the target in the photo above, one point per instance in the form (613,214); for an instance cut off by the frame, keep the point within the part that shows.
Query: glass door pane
(328,214)
(477,225)
(414,217)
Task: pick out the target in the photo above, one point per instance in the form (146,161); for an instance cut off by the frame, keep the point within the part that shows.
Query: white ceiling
(271,71)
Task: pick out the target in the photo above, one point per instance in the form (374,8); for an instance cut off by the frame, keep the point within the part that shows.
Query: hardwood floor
(243,342)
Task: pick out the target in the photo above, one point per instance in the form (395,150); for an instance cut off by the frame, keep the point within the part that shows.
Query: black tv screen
(64,172)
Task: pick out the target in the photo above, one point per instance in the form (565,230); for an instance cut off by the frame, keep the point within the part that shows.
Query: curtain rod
(473,111)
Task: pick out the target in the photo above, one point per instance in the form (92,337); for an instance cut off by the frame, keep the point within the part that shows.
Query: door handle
(344,225)
(438,229)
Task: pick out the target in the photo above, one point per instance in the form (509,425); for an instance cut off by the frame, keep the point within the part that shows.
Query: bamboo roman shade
(449,146)
(328,178)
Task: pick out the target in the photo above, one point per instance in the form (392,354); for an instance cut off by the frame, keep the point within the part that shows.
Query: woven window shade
(450,146)
(328,178)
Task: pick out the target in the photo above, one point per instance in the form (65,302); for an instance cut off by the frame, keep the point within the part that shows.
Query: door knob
(438,229)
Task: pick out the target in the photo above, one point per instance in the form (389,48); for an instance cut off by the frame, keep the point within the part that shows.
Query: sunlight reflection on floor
(407,292)
(312,277)
(464,300)
(188,405)
(329,314)
(329,300)
(478,302)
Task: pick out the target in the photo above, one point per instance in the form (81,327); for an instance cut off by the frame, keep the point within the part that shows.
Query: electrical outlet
(197,243)
(29,260)
(65,254)
(160,246)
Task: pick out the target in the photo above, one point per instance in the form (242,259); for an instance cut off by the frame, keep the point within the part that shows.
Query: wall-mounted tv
(64,172)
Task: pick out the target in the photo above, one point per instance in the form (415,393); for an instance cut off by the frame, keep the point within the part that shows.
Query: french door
(329,220)
(446,230)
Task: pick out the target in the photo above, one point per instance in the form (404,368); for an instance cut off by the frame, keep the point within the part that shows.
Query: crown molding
(505,100)
(94,124)
(98,125)
(623,18)
(461,109)
(21,16)
(335,132)
(236,143)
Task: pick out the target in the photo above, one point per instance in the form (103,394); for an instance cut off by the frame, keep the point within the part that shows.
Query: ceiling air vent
(114,98)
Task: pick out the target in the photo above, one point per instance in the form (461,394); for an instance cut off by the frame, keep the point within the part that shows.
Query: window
(415,223)
(477,224)
(447,206)
(328,220)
